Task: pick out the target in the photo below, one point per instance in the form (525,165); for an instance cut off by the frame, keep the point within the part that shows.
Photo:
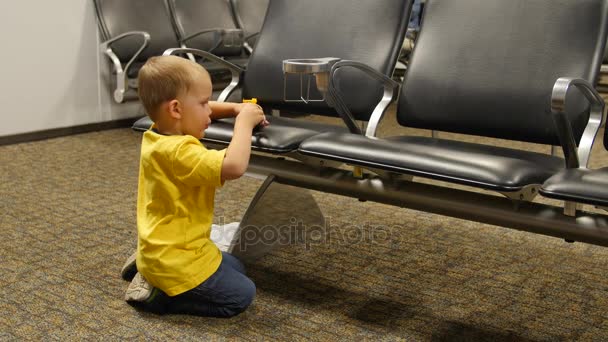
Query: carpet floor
(67,209)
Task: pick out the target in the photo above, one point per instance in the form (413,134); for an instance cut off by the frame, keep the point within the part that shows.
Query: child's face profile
(196,111)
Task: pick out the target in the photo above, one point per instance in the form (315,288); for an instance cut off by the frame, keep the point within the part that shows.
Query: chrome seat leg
(278,215)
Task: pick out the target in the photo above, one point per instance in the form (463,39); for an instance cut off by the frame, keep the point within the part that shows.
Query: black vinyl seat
(283,135)
(487,78)
(580,184)
(217,72)
(291,30)
(249,16)
(130,38)
(213,69)
(209,25)
(133,71)
(488,167)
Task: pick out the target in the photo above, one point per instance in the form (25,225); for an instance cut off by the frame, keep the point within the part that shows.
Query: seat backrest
(368,31)
(487,67)
(249,15)
(119,16)
(192,16)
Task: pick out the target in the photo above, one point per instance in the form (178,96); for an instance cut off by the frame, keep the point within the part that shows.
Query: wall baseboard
(64,131)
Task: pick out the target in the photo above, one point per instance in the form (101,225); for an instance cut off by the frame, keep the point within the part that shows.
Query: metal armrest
(576,157)
(236,71)
(121,81)
(324,70)
(221,35)
(246,44)
(391,89)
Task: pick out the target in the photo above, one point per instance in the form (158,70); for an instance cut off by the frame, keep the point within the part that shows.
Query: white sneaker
(139,289)
(222,236)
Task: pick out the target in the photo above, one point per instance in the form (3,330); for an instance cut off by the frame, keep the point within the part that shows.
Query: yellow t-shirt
(177,181)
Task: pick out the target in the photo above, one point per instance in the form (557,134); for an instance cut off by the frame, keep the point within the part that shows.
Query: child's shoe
(129,269)
(142,295)
(139,290)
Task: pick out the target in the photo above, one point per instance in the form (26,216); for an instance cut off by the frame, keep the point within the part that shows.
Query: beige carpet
(67,209)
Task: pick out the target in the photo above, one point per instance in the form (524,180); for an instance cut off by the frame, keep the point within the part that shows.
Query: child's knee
(245,299)
(250,293)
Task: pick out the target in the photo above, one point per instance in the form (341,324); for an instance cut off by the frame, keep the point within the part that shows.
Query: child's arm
(237,154)
(220,110)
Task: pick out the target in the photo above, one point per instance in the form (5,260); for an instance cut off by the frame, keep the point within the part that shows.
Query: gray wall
(52,74)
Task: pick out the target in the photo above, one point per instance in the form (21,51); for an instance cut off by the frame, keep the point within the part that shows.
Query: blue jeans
(227,293)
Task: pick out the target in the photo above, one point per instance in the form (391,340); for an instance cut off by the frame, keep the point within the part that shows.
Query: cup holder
(307,68)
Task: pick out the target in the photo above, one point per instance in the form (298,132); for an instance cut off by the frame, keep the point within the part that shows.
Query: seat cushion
(142,124)
(482,166)
(281,136)
(578,185)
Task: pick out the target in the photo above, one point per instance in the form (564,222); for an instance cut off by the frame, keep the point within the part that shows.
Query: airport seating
(299,29)
(578,184)
(497,96)
(490,78)
(209,25)
(289,32)
(249,16)
(487,78)
(130,37)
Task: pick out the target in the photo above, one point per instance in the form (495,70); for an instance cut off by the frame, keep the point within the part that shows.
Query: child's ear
(175,109)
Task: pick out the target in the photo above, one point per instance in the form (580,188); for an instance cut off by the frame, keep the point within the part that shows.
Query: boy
(180,270)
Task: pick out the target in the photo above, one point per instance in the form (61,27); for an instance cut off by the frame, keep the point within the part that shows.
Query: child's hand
(251,114)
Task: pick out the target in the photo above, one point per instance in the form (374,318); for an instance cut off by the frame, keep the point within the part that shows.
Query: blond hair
(164,78)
